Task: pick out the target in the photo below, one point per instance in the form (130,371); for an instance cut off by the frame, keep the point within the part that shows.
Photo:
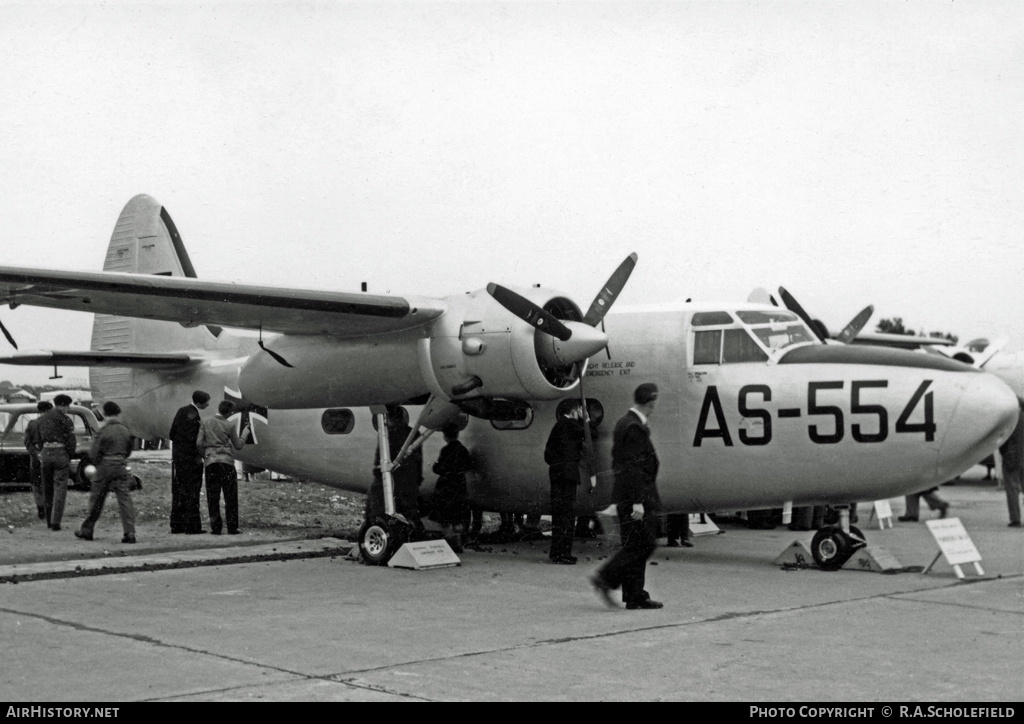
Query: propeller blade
(856,324)
(274,354)
(794,306)
(610,291)
(529,312)
(8,335)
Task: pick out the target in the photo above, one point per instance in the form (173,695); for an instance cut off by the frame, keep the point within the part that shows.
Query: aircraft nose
(985,415)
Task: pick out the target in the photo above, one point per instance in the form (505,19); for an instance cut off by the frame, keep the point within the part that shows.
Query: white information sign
(954,544)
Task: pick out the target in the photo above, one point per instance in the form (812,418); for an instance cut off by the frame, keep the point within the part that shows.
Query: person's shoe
(907,518)
(686,544)
(234,532)
(128,539)
(83,536)
(603,590)
(634,605)
(1014,524)
(41,512)
(55,527)
(194,532)
(564,560)
(671,544)
(943,509)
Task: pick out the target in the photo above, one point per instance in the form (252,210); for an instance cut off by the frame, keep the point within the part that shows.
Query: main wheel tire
(379,538)
(831,548)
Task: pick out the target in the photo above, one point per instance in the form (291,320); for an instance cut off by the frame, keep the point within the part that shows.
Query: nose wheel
(832,546)
(380,537)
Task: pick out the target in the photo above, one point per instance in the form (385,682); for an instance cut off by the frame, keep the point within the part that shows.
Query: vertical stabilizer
(145,241)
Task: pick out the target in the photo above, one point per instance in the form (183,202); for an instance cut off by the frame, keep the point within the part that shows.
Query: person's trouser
(111,477)
(1013,481)
(677,526)
(186,487)
(222,478)
(563,520)
(913,502)
(628,567)
(55,466)
(35,478)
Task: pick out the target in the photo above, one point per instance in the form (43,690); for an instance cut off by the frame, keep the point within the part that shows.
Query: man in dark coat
(451,508)
(637,502)
(57,434)
(563,453)
(187,466)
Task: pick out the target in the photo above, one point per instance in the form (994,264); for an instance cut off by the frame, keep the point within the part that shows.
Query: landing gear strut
(833,545)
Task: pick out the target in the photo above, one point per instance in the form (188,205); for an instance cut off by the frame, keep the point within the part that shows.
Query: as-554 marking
(828,425)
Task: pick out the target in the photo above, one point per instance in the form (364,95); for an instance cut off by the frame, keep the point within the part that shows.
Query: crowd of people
(205,448)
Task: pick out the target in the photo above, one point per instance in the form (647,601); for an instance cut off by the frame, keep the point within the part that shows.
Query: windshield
(776,329)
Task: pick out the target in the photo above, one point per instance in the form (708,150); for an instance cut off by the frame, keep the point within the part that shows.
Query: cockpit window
(703,319)
(760,317)
(780,336)
(738,346)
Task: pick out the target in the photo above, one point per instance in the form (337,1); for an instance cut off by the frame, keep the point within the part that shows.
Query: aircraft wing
(194,302)
(148,360)
(904,341)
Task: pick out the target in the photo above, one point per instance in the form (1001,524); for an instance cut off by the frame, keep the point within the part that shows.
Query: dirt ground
(268,510)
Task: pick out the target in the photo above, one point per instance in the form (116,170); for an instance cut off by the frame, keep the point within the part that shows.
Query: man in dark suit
(637,502)
(563,453)
(187,466)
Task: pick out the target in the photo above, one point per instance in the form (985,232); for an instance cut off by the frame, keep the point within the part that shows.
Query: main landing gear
(833,545)
(381,537)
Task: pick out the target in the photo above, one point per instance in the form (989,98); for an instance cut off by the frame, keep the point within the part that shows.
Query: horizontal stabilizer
(149,360)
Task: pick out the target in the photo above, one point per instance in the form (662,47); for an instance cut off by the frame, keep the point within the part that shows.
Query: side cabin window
(517,417)
(338,421)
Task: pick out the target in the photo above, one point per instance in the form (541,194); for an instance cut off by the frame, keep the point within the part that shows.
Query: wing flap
(194,302)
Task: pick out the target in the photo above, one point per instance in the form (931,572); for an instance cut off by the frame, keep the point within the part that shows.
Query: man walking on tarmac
(109,453)
(637,503)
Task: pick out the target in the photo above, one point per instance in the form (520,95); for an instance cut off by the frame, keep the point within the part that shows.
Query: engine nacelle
(478,349)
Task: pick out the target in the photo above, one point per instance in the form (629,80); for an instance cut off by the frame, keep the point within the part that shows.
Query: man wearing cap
(109,452)
(34,445)
(637,502)
(57,433)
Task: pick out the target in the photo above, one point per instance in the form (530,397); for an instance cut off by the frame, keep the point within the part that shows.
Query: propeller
(579,340)
(8,335)
(281,360)
(849,331)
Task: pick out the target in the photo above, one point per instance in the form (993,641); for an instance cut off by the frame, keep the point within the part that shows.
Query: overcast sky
(855,153)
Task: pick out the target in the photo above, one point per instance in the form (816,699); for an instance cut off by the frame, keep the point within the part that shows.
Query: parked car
(14,458)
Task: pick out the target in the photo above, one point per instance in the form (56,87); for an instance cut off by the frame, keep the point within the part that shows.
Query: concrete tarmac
(507,625)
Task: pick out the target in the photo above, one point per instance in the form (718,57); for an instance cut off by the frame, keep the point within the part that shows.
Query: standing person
(452,510)
(187,466)
(109,453)
(407,476)
(677,529)
(563,453)
(913,503)
(57,434)
(216,440)
(34,445)
(1012,452)
(637,502)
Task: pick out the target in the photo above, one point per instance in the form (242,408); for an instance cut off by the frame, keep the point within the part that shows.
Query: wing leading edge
(192,302)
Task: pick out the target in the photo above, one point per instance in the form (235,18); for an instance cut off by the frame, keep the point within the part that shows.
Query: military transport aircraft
(754,412)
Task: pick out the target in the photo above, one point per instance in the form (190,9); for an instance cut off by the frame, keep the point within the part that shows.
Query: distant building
(20,396)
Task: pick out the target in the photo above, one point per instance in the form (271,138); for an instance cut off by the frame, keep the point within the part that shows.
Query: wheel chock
(875,559)
(797,554)
(424,555)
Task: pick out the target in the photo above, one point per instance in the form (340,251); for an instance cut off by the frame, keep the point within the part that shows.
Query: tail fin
(145,241)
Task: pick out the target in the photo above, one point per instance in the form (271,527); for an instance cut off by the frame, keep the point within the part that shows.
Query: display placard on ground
(954,544)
